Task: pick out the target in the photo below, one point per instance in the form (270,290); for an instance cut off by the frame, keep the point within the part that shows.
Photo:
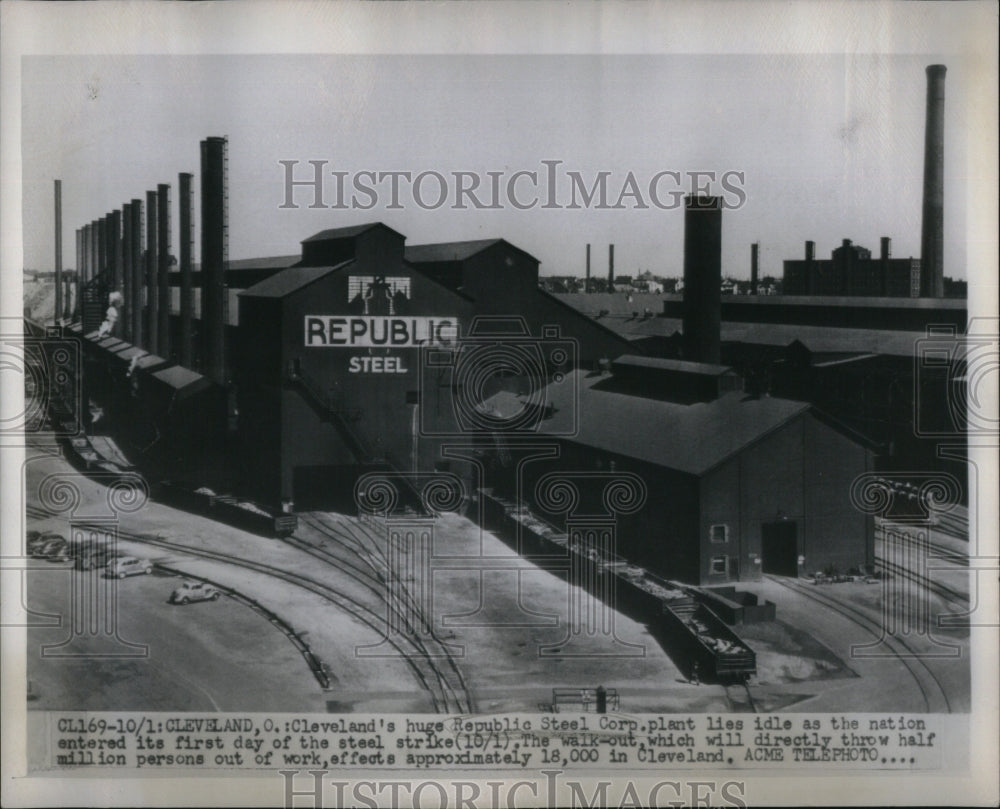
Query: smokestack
(810,268)
(115,249)
(611,268)
(586,285)
(95,250)
(185,250)
(213,257)
(102,246)
(847,268)
(884,255)
(932,230)
(137,273)
(126,271)
(163,266)
(57,312)
(754,258)
(702,278)
(152,264)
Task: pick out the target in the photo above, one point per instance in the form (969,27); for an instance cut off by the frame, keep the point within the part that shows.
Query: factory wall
(661,536)
(329,412)
(783,497)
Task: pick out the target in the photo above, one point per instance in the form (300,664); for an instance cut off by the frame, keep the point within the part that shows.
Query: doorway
(780,548)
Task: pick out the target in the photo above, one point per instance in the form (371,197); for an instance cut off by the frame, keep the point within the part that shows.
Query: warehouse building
(850,271)
(738,485)
(348,361)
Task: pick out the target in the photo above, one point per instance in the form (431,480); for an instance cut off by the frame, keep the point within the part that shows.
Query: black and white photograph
(499,404)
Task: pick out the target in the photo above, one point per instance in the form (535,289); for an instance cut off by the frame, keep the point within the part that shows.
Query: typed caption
(512,743)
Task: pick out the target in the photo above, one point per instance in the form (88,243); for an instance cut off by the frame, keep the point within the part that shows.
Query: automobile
(60,551)
(194,591)
(50,547)
(37,542)
(99,556)
(124,566)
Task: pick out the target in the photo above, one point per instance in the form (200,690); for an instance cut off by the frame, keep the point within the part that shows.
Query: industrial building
(851,270)
(738,485)
(286,378)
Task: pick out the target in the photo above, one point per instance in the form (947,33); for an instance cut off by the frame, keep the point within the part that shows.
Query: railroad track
(438,681)
(372,570)
(934,694)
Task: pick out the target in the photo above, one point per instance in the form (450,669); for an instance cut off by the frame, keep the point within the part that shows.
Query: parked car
(99,556)
(38,542)
(60,551)
(194,591)
(50,547)
(124,566)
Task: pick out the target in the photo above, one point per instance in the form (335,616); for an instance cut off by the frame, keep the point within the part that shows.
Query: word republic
(329,331)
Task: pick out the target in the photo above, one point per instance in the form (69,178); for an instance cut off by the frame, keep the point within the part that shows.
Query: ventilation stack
(884,255)
(152,263)
(126,271)
(754,259)
(185,251)
(57,312)
(162,270)
(932,228)
(811,268)
(586,283)
(138,338)
(611,268)
(702,279)
(213,258)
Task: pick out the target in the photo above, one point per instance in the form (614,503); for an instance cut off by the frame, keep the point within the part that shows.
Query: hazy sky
(830,146)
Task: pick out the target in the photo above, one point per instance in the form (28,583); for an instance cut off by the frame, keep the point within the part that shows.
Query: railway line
(933,691)
(444,684)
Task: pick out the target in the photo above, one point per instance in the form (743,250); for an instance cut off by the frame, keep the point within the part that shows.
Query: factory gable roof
(454,251)
(679,366)
(331,234)
(692,439)
(291,280)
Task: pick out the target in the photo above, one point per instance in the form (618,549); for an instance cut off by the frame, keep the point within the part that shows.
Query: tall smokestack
(810,268)
(102,245)
(163,267)
(58,268)
(214,218)
(847,268)
(932,231)
(95,250)
(152,264)
(702,278)
(126,270)
(115,249)
(611,268)
(138,338)
(586,284)
(185,250)
(754,258)
(884,255)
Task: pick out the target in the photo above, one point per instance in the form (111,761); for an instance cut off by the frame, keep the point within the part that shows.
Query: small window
(718,565)
(719,533)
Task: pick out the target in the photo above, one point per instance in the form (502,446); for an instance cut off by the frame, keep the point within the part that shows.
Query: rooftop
(688,438)
(291,280)
(453,251)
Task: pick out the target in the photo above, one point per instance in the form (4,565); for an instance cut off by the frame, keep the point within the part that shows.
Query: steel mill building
(282,380)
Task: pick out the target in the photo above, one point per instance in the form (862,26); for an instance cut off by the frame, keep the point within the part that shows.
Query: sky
(829,146)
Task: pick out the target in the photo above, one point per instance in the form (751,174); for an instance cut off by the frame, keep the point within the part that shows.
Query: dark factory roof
(181,382)
(349,232)
(454,251)
(683,366)
(689,438)
(818,339)
(291,280)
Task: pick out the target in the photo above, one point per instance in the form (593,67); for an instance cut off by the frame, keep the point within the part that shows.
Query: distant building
(852,271)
